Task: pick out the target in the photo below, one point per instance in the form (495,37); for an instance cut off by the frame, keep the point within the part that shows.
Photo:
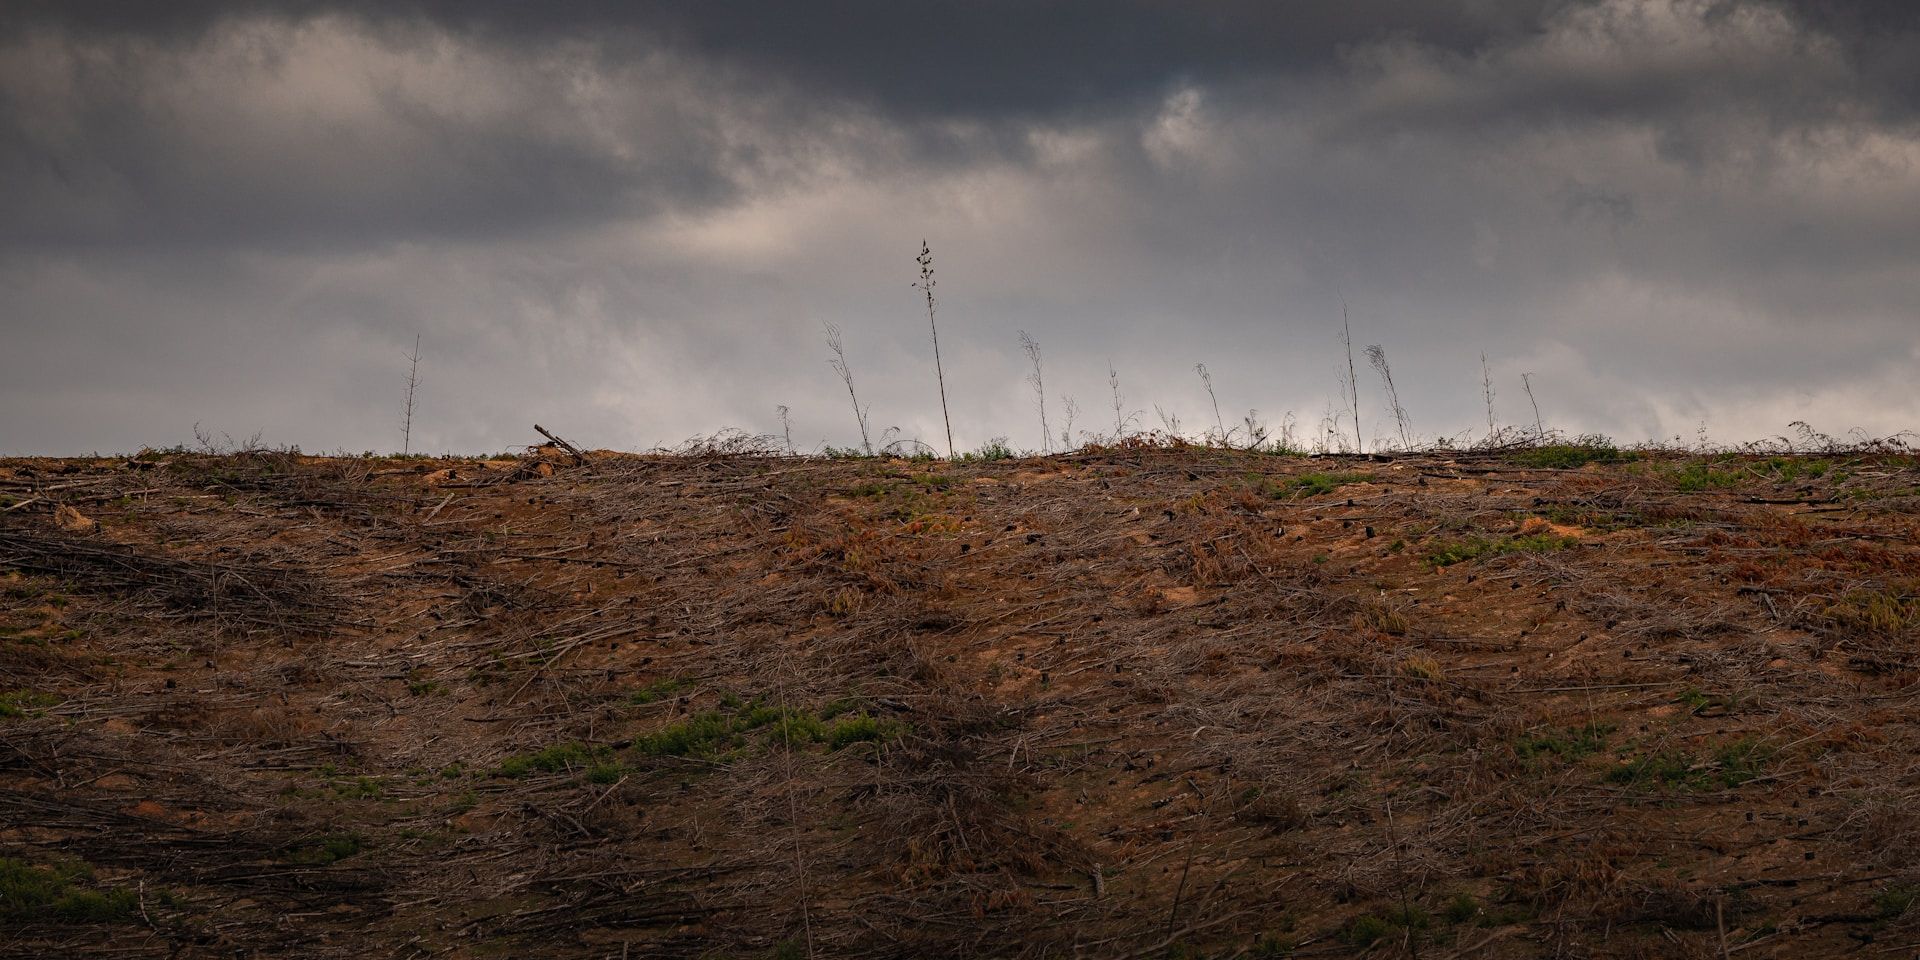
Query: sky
(630,222)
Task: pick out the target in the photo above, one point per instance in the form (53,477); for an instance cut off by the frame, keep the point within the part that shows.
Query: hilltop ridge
(1561,701)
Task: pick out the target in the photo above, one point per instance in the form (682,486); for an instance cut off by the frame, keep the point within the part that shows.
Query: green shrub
(32,893)
(861,728)
(1371,928)
(1313,484)
(1731,765)
(657,691)
(25,703)
(1742,761)
(1665,769)
(1462,908)
(1480,548)
(1570,744)
(1700,475)
(797,729)
(697,735)
(555,759)
(996,449)
(1895,901)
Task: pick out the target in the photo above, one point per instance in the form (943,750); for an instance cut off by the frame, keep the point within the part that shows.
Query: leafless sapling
(1353,382)
(925,260)
(413,382)
(1526,382)
(786,426)
(1377,355)
(839,364)
(1486,390)
(1219,424)
(1032,347)
(1119,415)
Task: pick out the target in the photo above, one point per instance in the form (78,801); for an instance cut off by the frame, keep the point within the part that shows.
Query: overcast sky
(628,222)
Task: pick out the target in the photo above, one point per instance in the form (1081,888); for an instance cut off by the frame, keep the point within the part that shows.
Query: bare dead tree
(413,382)
(1219,423)
(1119,418)
(839,364)
(1486,389)
(1377,355)
(786,426)
(1032,348)
(925,259)
(1066,432)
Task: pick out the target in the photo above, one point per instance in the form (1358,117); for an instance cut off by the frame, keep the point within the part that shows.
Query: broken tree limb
(578,457)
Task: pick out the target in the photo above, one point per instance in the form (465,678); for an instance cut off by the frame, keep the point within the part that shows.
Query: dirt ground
(1559,702)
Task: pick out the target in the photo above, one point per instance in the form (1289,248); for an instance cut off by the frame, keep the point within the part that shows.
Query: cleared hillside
(1557,702)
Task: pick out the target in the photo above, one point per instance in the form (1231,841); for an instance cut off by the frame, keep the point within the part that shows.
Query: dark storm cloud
(1667,210)
(129,165)
(122,162)
(991,56)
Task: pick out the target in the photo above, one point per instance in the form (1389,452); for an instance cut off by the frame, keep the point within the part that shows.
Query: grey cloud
(634,222)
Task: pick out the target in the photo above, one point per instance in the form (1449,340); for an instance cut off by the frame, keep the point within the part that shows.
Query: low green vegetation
(657,691)
(1389,924)
(560,758)
(1569,744)
(703,734)
(1699,475)
(907,497)
(1462,908)
(734,726)
(60,894)
(326,850)
(1309,484)
(1791,469)
(995,449)
(419,686)
(25,703)
(861,728)
(1729,766)
(1483,548)
(1895,901)
(1569,456)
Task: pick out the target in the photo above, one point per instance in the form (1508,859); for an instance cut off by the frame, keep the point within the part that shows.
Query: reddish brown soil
(1145,703)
